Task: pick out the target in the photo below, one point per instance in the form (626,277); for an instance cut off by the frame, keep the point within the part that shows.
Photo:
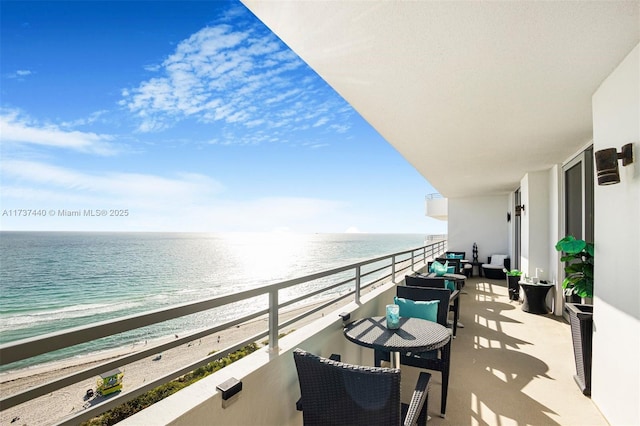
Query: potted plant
(578,255)
(513,277)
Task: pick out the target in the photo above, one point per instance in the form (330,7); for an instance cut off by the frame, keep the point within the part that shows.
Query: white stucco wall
(482,220)
(534,189)
(616,337)
(555,232)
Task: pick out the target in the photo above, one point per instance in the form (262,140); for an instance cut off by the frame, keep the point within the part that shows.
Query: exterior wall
(534,188)
(554,234)
(482,220)
(437,208)
(616,336)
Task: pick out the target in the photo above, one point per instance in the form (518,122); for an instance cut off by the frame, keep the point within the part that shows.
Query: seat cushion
(498,259)
(492,266)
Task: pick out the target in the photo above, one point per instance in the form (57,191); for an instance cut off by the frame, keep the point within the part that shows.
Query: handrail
(30,347)
(433,196)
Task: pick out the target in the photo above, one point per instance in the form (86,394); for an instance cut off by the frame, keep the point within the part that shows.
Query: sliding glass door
(578,196)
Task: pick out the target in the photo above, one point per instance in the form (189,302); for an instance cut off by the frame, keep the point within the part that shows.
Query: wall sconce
(607,163)
(519,210)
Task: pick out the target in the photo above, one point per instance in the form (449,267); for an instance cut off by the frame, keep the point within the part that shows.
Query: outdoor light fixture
(607,163)
(519,210)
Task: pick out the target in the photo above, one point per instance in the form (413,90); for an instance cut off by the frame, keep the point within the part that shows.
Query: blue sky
(189,116)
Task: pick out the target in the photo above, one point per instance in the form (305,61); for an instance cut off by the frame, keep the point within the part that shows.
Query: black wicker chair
(438,360)
(336,393)
(466,267)
(439,283)
(496,271)
(456,264)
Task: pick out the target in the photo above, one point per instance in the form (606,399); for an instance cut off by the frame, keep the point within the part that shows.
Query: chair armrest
(418,400)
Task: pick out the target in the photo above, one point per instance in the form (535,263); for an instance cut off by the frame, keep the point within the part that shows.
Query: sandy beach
(50,408)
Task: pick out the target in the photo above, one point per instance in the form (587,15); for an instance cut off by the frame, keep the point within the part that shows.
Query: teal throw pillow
(451,269)
(438,268)
(427,310)
(451,285)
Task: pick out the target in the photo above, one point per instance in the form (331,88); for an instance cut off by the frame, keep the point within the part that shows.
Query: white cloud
(136,188)
(197,202)
(19,74)
(237,73)
(18,130)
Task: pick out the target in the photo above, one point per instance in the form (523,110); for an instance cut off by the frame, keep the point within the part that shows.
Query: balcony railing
(354,277)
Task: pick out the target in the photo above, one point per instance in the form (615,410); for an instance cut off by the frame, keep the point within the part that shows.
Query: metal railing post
(393,268)
(273,320)
(357,297)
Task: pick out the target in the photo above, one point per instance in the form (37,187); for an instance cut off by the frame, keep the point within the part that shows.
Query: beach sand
(51,408)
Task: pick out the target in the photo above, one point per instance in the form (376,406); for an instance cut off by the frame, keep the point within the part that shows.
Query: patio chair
(336,393)
(494,268)
(455,265)
(437,360)
(440,283)
(466,267)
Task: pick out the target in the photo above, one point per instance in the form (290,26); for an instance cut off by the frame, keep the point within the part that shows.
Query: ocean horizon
(53,280)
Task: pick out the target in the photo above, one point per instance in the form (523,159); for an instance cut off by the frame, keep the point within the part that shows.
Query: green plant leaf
(574,246)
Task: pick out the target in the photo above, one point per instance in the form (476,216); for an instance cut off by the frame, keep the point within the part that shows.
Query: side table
(534,297)
(478,265)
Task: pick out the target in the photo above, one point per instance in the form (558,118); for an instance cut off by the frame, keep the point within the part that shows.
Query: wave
(26,320)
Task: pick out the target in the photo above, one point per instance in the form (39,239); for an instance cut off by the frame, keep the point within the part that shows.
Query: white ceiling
(472,93)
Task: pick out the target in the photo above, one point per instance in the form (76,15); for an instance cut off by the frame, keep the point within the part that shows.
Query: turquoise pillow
(438,268)
(427,310)
(451,270)
(451,285)
(454,256)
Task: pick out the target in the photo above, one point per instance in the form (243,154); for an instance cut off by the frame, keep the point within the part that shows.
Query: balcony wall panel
(616,312)
(482,220)
(270,382)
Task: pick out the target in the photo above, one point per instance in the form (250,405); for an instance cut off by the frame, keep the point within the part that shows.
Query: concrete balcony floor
(509,367)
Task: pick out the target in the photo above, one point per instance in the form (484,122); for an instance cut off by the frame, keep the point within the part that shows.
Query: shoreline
(52,407)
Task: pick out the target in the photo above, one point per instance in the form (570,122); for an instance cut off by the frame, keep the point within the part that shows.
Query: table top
(447,275)
(414,334)
(536,285)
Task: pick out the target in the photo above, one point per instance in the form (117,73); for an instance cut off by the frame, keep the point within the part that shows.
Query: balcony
(508,367)
(436,206)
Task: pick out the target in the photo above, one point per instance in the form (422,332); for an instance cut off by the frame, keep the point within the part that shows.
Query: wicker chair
(494,268)
(439,283)
(466,267)
(336,393)
(438,360)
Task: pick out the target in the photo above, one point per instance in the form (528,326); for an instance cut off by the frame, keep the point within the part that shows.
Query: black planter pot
(581,319)
(514,287)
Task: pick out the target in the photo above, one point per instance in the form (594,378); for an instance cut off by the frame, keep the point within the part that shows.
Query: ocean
(50,281)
